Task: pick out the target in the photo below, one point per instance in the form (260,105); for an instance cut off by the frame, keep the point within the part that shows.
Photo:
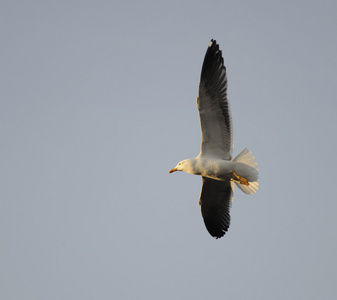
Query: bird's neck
(192,166)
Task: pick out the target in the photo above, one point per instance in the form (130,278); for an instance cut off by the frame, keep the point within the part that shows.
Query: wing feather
(215,201)
(213,106)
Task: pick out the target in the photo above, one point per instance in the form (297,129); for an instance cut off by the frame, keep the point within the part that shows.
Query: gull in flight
(214,163)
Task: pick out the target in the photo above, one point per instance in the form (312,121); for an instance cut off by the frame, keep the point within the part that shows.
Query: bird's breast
(216,169)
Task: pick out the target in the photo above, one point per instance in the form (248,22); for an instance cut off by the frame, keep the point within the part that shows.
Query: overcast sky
(97,104)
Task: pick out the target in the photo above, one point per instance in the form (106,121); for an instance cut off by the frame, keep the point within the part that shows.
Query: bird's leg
(240,179)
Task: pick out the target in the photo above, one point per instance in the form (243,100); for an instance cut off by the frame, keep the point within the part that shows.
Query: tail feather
(246,157)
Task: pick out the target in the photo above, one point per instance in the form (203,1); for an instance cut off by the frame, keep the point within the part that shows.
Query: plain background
(98,104)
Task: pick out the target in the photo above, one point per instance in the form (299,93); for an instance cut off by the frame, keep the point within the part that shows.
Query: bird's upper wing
(213,106)
(215,201)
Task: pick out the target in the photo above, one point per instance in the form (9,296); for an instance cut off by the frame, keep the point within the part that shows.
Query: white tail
(246,157)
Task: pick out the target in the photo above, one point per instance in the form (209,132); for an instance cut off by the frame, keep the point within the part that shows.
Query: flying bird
(214,163)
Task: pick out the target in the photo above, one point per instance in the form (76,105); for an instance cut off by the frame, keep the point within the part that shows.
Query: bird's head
(179,166)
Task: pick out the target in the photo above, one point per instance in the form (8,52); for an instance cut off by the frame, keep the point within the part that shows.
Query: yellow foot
(240,179)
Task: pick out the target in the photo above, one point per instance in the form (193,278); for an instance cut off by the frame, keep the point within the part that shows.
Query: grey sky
(98,104)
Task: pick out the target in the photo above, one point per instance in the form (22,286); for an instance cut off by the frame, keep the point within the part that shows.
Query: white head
(179,166)
(187,165)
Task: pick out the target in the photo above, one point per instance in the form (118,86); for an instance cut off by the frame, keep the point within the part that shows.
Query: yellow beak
(173,170)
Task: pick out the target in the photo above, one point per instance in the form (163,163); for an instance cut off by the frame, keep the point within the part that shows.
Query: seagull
(214,163)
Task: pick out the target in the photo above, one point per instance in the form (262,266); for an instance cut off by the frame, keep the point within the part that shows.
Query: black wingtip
(213,44)
(213,62)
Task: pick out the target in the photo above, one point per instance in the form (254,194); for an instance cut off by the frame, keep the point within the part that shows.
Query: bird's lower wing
(215,201)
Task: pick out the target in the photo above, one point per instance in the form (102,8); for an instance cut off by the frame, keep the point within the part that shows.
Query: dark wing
(213,106)
(215,200)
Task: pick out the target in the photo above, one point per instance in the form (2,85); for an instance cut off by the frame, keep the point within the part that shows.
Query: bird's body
(214,163)
(219,169)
